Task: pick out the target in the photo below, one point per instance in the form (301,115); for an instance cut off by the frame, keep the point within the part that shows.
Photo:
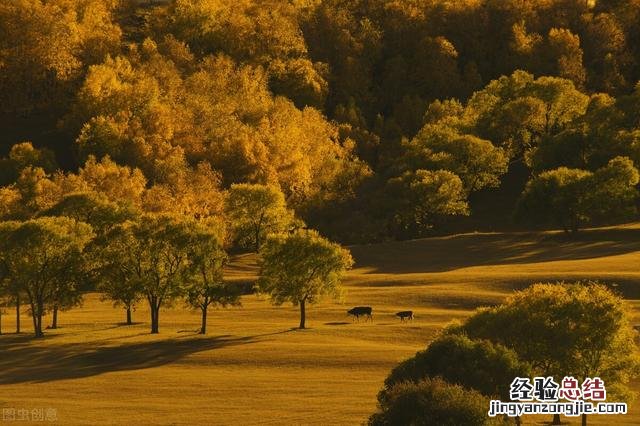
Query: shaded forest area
(376,119)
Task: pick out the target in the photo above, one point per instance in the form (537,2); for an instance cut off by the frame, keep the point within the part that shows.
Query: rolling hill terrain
(254,368)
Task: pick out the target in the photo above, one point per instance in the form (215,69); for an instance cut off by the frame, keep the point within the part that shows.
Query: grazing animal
(408,315)
(361,311)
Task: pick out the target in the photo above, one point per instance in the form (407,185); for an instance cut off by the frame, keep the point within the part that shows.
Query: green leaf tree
(572,197)
(476,161)
(432,402)
(119,277)
(422,198)
(92,208)
(475,364)
(95,209)
(516,111)
(256,211)
(205,284)
(12,292)
(4,293)
(150,254)
(23,155)
(41,256)
(300,267)
(557,197)
(580,330)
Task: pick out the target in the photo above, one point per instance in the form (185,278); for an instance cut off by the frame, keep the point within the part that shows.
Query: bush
(477,364)
(432,402)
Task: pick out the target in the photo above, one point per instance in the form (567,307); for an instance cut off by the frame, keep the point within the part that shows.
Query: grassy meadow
(254,368)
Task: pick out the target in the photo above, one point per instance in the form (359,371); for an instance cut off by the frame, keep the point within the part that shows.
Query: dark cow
(360,311)
(408,315)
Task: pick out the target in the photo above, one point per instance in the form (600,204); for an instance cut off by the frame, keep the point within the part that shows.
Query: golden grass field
(254,368)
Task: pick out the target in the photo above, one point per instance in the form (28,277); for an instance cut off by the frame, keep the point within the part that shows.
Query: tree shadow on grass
(441,254)
(45,363)
(13,340)
(275,333)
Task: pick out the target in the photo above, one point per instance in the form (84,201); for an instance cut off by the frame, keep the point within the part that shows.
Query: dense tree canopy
(256,211)
(580,330)
(153,254)
(44,258)
(573,197)
(46,45)
(334,103)
(478,365)
(420,199)
(432,401)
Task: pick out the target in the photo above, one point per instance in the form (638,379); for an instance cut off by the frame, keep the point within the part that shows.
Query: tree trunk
(17,313)
(151,311)
(157,325)
(302,313)
(37,318)
(129,315)
(556,419)
(154,308)
(37,325)
(0,322)
(203,328)
(39,332)
(584,419)
(155,313)
(575,223)
(54,319)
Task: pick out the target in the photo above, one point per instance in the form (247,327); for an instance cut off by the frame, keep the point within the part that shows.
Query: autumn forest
(376,119)
(463,174)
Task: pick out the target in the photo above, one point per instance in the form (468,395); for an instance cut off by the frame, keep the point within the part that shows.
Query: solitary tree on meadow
(67,293)
(122,289)
(117,271)
(300,267)
(205,284)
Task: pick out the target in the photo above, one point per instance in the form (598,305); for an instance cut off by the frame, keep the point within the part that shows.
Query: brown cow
(408,315)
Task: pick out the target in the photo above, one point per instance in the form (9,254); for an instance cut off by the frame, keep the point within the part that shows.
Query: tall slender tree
(205,284)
